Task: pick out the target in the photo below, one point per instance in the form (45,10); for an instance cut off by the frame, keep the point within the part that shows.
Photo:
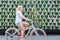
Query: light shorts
(18,23)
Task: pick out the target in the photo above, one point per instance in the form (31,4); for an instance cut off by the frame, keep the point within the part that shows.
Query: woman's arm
(22,16)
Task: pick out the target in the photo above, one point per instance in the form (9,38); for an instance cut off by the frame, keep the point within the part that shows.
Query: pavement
(49,37)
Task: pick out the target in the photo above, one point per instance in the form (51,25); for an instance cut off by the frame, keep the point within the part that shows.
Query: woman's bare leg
(21,27)
(6,37)
(25,24)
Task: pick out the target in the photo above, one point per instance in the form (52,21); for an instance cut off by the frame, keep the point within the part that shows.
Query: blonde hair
(18,7)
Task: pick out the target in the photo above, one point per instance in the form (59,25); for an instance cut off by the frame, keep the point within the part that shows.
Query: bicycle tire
(34,34)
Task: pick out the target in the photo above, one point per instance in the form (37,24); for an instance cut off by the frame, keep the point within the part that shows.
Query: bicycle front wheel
(38,34)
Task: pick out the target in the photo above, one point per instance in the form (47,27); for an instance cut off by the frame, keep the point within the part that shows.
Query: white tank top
(18,18)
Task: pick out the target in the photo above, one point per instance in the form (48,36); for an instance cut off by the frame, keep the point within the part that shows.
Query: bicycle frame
(30,28)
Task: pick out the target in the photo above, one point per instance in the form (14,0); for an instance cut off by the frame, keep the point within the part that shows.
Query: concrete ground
(49,37)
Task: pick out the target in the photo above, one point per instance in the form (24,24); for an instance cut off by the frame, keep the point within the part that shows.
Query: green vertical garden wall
(45,12)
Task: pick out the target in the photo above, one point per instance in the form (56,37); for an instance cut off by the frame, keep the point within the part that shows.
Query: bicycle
(33,31)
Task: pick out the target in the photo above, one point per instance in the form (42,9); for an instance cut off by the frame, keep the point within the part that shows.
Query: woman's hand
(27,19)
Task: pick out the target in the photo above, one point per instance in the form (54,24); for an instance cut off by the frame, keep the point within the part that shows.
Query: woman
(18,21)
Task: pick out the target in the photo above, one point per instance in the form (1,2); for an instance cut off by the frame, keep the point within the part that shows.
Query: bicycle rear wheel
(38,34)
(10,34)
